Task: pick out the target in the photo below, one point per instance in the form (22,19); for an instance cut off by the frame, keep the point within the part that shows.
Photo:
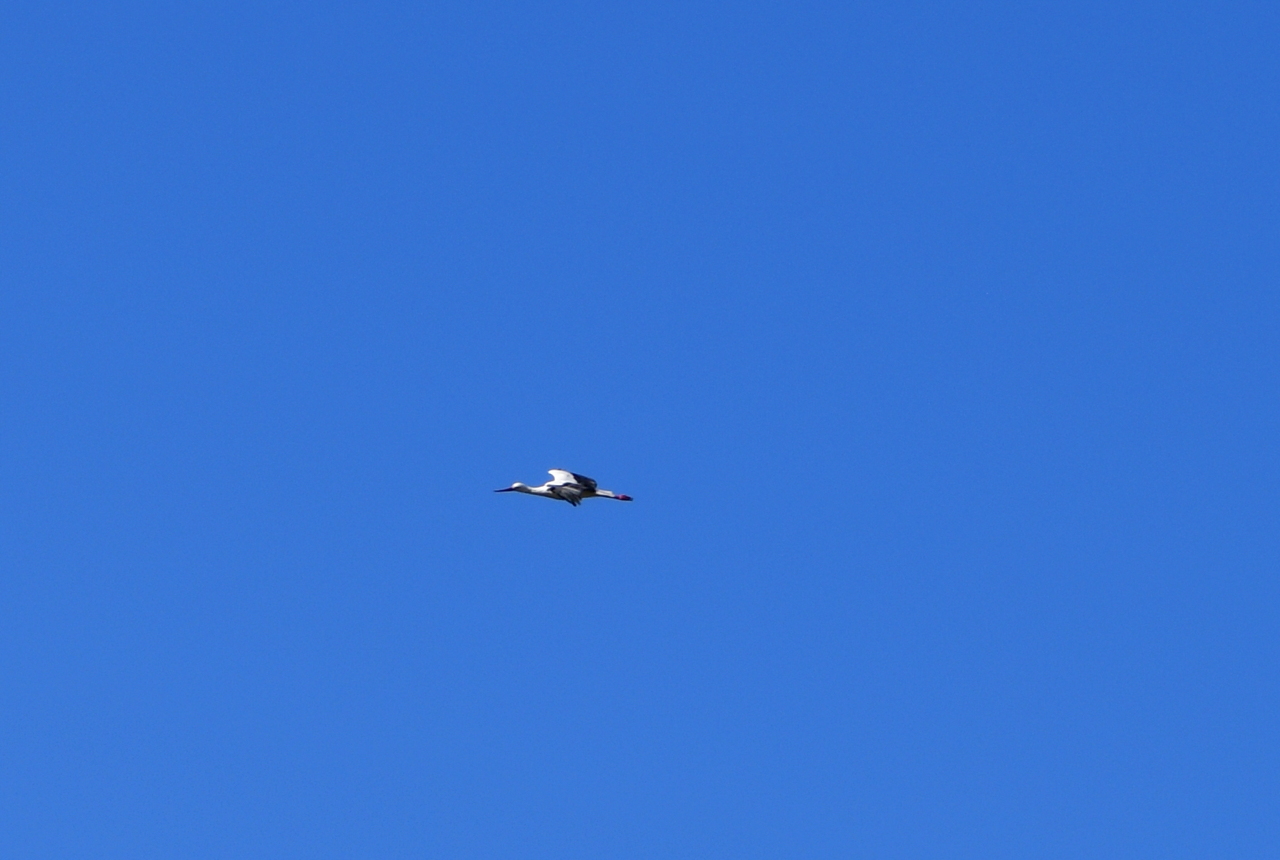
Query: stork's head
(514,487)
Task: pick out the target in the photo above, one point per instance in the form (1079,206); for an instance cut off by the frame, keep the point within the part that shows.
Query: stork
(567,487)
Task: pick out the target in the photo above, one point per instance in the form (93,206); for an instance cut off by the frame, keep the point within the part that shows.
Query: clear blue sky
(939,345)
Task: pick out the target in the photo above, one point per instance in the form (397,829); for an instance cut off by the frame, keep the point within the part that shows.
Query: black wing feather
(570,493)
(584,480)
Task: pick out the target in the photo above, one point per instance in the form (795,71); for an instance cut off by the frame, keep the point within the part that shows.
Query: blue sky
(937,344)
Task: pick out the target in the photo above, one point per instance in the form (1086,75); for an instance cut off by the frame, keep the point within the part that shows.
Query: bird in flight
(567,487)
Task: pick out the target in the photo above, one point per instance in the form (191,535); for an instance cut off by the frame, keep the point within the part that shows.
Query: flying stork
(567,487)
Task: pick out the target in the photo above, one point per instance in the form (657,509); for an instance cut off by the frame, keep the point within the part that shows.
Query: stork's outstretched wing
(562,476)
(571,493)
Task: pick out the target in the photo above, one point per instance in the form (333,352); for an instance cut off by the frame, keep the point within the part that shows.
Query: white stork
(567,487)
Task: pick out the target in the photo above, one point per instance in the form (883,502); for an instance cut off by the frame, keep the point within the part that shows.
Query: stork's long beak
(505,490)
